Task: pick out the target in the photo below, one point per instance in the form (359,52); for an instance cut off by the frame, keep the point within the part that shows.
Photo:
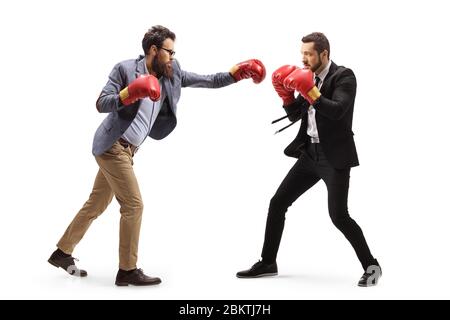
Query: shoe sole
(126,284)
(367,285)
(58,266)
(259,275)
(370,285)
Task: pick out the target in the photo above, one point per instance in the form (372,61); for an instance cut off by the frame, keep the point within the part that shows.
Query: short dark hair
(156,36)
(320,42)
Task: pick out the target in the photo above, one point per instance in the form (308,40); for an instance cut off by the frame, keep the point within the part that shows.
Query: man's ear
(153,49)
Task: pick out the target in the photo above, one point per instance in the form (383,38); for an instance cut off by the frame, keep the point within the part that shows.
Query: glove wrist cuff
(314,93)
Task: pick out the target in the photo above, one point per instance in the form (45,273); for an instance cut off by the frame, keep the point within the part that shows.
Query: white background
(206,188)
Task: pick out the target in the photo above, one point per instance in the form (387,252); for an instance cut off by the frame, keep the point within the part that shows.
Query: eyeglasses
(171,52)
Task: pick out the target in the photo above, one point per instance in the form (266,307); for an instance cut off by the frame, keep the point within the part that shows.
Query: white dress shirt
(312,125)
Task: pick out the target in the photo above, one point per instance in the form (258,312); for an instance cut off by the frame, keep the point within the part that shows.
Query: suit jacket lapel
(140,66)
(326,82)
(167,87)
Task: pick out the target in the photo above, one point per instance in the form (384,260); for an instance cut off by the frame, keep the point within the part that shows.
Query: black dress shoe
(259,269)
(371,276)
(61,260)
(135,277)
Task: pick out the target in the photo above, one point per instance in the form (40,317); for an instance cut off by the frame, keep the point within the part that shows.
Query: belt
(313,149)
(126,144)
(313,145)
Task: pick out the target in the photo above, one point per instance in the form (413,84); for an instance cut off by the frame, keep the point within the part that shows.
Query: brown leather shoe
(61,260)
(135,277)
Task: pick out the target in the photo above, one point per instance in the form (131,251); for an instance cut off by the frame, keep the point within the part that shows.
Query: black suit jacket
(334,116)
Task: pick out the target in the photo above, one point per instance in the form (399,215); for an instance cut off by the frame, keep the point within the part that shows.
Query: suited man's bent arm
(342,98)
(296,109)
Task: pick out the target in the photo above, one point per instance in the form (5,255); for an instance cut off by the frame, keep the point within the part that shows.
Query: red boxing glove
(142,87)
(278,78)
(252,68)
(302,81)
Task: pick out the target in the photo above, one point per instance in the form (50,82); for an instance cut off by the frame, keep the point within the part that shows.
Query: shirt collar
(145,66)
(324,72)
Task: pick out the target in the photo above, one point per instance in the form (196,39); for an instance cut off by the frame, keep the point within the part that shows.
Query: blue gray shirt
(145,118)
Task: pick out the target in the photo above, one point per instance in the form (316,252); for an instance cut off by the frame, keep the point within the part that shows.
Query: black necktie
(317,81)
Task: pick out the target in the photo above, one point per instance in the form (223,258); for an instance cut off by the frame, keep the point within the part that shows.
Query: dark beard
(162,69)
(317,65)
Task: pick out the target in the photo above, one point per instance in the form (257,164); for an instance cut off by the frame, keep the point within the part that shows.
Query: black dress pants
(311,167)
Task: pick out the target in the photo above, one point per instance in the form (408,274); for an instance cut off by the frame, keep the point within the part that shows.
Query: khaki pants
(115,177)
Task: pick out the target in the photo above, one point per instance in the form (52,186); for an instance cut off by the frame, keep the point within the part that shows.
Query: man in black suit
(324,147)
